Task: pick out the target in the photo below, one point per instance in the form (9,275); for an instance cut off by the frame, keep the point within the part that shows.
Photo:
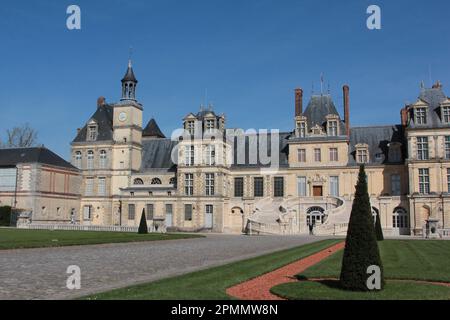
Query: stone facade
(197,180)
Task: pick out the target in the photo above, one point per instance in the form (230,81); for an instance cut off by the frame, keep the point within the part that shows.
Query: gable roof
(14,156)
(152,130)
(104,118)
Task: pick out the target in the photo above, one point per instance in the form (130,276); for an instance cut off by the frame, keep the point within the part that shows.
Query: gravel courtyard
(41,273)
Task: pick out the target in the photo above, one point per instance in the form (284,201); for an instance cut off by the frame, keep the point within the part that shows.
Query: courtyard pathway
(41,273)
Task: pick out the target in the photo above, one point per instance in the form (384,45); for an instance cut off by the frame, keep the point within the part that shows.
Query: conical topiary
(378,229)
(361,247)
(143,229)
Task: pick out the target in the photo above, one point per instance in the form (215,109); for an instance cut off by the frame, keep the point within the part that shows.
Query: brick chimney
(404,116)
(100,101)
(298,102)
(346,91)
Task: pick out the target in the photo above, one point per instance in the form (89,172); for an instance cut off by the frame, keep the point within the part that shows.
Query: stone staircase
(273,216)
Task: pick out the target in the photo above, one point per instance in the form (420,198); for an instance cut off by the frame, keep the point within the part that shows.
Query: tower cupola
(129,83)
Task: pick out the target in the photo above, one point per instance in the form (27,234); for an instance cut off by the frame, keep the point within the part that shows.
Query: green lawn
(326,290)
(210,284)
(402,259)
(20,238)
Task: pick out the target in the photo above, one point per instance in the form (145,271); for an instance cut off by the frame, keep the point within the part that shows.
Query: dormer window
(362,153)
(332,128)
(445,111)
(190,127)
(420,115)
(317,130)
(209,125)
(92,132)
(301,129)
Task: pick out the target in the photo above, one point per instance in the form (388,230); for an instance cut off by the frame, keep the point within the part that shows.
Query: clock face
(122,116)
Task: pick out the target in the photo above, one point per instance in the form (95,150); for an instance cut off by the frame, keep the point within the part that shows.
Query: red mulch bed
(259,287)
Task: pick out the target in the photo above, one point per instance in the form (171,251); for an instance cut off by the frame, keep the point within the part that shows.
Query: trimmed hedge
(5,216)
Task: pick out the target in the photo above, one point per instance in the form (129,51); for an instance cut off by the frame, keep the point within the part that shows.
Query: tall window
(362,156)
(131,211)
(301,154)
(209,125)
(92,133)
(333,154)
(421,116)
(169,208)
(446,114)
(101,188)
(334,186)
(301,186)
(78,158)
(395,185)
(89,186)
(209,184)
(447,147)
(239,187)
(448,180)
(302,129)
(87,212)
(188,212)
(189,153)
(332,128)
(190,127)
(189,184)
(258,186)
(90,159)
(210,155)
(278,190)
(317,155)
(103,159)
(422,148)
(150,211)
(424,181)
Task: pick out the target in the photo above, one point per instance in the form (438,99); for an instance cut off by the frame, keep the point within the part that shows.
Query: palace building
(274,183)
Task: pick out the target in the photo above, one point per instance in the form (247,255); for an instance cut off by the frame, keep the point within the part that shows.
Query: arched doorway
(315,215)
(400,222)
(237,219)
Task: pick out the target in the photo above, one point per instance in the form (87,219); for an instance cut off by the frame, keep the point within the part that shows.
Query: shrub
(5,216)
(361,247)
(143,229)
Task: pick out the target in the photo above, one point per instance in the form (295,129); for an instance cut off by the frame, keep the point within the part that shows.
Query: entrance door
(317,191)
(209,216)
(169,219)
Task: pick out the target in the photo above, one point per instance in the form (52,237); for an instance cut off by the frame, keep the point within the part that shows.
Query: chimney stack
(346,90)
(404,116)
(100,101)
(298,102)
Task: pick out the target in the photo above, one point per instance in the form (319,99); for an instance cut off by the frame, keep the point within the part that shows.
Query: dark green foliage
(5,216)
(378,230)
(143,229)
(361,247)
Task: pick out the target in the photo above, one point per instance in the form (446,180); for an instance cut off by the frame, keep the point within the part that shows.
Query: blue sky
(248,54)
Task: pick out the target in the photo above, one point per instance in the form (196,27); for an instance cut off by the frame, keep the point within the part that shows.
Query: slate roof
(377,138)
(129,75)
(157,154)
(14,156)
(104,119)
(433,97)
(249,162)
(152,130)
(318,108)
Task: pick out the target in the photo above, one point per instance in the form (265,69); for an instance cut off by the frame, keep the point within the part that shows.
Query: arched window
(315,215)
(138,181)
(400,218)
(103,159)
(78,158)
(156,181)
(173,181)
(90,159)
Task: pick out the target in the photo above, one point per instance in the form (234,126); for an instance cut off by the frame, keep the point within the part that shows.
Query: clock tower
(127,126)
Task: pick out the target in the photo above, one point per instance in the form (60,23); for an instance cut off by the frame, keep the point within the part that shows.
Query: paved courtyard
(41,273)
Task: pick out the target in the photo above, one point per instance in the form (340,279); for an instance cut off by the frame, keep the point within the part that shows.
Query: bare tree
(20,137)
